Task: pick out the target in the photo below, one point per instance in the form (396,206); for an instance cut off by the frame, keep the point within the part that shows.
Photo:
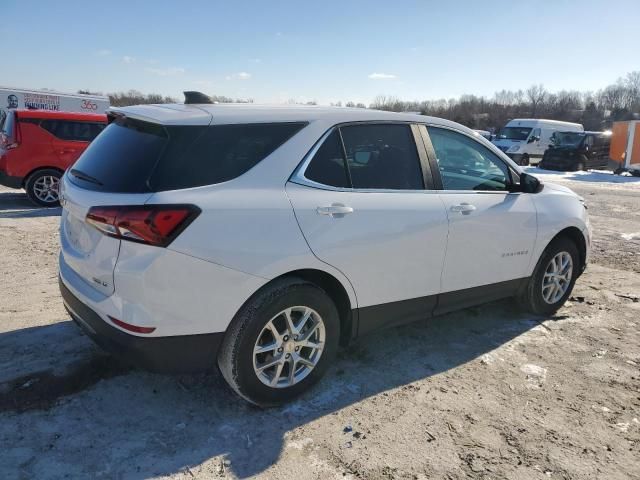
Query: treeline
(134,97)
(595,110)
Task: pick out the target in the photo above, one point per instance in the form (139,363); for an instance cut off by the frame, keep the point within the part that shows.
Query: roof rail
(196,97)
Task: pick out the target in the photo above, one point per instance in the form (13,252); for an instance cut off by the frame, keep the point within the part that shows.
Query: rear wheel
(42,187)
(553,279)
(280,343)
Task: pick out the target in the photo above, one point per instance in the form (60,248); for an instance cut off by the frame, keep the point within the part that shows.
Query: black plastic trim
(376,317)
(9,181)
(175,354)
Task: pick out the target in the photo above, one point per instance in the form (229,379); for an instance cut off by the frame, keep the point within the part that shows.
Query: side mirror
(533,138)
(529,183)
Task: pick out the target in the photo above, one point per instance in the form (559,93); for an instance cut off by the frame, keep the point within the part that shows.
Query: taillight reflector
(131,328)
(155,225)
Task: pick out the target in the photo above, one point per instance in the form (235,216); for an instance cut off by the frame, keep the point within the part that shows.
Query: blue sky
(326,51)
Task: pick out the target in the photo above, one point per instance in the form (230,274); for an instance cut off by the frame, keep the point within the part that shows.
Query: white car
(260,238)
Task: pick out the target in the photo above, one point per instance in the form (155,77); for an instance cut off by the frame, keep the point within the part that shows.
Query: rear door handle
(463,208)
(336,210)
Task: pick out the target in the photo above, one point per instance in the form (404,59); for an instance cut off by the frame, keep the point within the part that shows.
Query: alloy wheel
(289,347)
(45,188)
(557,277)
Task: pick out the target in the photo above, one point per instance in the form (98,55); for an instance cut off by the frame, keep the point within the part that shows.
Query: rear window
(8,127)
(131,156)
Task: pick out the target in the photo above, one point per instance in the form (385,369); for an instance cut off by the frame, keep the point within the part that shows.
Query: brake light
(156,225)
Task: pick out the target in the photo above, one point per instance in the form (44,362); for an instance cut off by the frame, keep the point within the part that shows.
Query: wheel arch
(336,291)
(576,236)
(25,179)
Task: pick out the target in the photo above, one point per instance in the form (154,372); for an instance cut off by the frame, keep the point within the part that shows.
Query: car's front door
(362,205)
(491,231)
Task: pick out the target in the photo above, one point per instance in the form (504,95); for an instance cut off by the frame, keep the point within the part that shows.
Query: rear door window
(328,166)
(382,156)
(73,131)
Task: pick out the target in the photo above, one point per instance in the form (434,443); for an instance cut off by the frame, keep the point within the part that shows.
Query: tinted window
(220,153)
(122,158)
(328,166)
(8,127)
(75,131)
(465,164)
(133,156)
(382,156)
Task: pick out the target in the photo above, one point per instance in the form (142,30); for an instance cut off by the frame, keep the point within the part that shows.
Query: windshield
(514,133)
(566,139)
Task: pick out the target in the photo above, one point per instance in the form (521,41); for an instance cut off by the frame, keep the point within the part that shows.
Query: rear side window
(8,127)
(74,131)
(133,156)
(220,153)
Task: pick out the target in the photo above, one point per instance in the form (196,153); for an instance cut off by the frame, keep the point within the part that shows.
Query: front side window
(465,164)
(378,156)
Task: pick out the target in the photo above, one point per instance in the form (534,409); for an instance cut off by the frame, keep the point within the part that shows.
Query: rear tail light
(156,225)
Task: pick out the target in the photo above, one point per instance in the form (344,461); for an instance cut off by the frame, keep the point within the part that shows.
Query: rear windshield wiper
(83,176)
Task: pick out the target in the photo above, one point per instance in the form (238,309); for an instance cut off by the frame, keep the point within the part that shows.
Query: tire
(524,161)
(532,299)
(42,187)
(249,326)
(635,173)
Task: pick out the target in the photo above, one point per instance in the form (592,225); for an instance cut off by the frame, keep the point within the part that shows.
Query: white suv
(261,238)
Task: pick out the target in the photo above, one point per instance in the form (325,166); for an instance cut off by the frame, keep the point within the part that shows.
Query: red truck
(37,146)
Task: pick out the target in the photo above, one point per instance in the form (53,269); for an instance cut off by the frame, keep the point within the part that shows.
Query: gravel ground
(484,393)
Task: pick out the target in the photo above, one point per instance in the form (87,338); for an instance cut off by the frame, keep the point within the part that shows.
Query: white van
(48,100)
(526,139)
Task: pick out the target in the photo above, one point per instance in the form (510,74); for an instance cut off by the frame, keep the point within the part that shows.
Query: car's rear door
(491,230)
(362,205)
(71,138)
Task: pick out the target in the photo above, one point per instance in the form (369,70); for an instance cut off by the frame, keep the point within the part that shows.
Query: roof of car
(28,113)
(203,114)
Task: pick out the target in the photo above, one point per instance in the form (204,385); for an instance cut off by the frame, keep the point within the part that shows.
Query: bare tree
(536,95)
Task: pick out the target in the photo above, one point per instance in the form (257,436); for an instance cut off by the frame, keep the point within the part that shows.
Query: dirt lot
(484,393)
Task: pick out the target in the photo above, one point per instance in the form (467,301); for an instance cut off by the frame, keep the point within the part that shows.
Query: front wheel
(280,343)
(553,279)
(42,187)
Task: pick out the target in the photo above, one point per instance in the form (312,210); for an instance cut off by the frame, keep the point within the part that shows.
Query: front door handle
(463,208)
(336,210)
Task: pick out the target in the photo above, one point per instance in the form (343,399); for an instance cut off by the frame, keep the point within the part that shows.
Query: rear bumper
(9,181)
(175,354)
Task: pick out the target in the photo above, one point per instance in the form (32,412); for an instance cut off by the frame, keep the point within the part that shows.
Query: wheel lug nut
(280,349)
(286,337)
(295,337)
(287,355)
(297,348)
